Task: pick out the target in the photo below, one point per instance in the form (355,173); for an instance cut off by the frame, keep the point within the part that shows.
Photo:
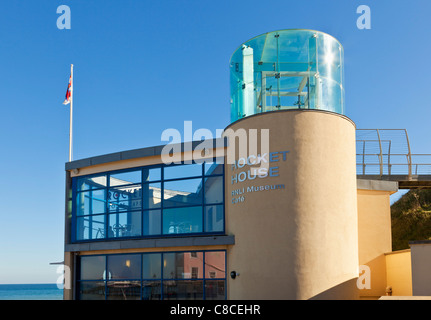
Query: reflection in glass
(90,227)
(152,195)
(152,222)
(124,266)
(125,198)
(92,290)
(214,167)
(182,171)
(124,224)
(151,174)
(183,290)
(91,202)
(182,220)
(123,290)
(214,221)
(92,267)
(151,266)
(215,264)
(94,182)
(182,193)
(129,177)
(215,290)
(214,190)
(151,290)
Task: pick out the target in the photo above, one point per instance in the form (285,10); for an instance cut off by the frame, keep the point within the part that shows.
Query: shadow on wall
(344,291)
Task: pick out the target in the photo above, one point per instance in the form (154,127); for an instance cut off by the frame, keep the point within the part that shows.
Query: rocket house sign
(256,168)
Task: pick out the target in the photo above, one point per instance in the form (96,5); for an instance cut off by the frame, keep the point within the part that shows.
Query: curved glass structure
(287,69)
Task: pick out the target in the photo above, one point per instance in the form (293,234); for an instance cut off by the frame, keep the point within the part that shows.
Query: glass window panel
(183,290)
(90,227)
(214,221)
(128,177)
(87,183)
(92,267)
(125,198)
(152,266)
(215,289)
(182,193)
(214,190)
(152,222)
(92,290)
(124,266)
(215,264)
(214,167)
(183,265)
(182,220)
(125,224)
(152,174)
(152,195)
(91,202)
(151,290)
(124,290)
(182,171)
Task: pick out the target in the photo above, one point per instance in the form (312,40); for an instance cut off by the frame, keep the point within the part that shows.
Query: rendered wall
(421,266)
(399,272)
(374,237)
(299,241)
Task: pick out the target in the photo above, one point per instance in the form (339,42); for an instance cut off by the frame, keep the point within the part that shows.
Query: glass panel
(182,171)
(152,195)
(92,267)
(182,220)
(92,290)
(87,183)
(125,198)
(151,290)
(90,227)
(183,290)
(91,202)
(129,177)
(182,193)
(214,190)
(124,290)
(124,266)
(152,174)
(214,221)
(152,222)
(125,224)
(151,266)
(215,264)
(214,167)
(215,289)
(183,265)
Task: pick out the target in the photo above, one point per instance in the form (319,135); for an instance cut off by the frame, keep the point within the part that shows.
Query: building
(272,210)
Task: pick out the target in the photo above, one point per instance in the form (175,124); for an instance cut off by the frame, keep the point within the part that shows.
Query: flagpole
(71,115)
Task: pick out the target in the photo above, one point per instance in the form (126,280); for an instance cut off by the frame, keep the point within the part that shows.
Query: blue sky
(141,67)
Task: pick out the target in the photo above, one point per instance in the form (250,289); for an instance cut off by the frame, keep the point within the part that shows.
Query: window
(153,276)
(148,202)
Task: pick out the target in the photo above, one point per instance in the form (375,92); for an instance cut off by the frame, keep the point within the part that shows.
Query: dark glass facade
(182,275)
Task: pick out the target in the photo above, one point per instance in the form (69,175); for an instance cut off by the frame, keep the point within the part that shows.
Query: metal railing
(386,152)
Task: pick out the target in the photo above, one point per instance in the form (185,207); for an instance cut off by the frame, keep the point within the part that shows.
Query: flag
(68,92)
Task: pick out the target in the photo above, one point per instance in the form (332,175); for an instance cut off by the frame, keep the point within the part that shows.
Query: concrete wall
(299,241)
(421,267)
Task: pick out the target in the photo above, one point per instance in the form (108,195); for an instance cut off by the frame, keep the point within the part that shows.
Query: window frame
(162,280)
(143,210)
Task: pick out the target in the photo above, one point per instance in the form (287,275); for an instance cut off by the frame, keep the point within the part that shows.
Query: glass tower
(287,69)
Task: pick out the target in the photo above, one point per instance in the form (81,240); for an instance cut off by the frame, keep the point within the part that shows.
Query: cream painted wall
(300,241)
(399,272)
(374,237)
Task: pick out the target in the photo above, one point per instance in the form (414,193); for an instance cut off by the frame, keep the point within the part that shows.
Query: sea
(46,291)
